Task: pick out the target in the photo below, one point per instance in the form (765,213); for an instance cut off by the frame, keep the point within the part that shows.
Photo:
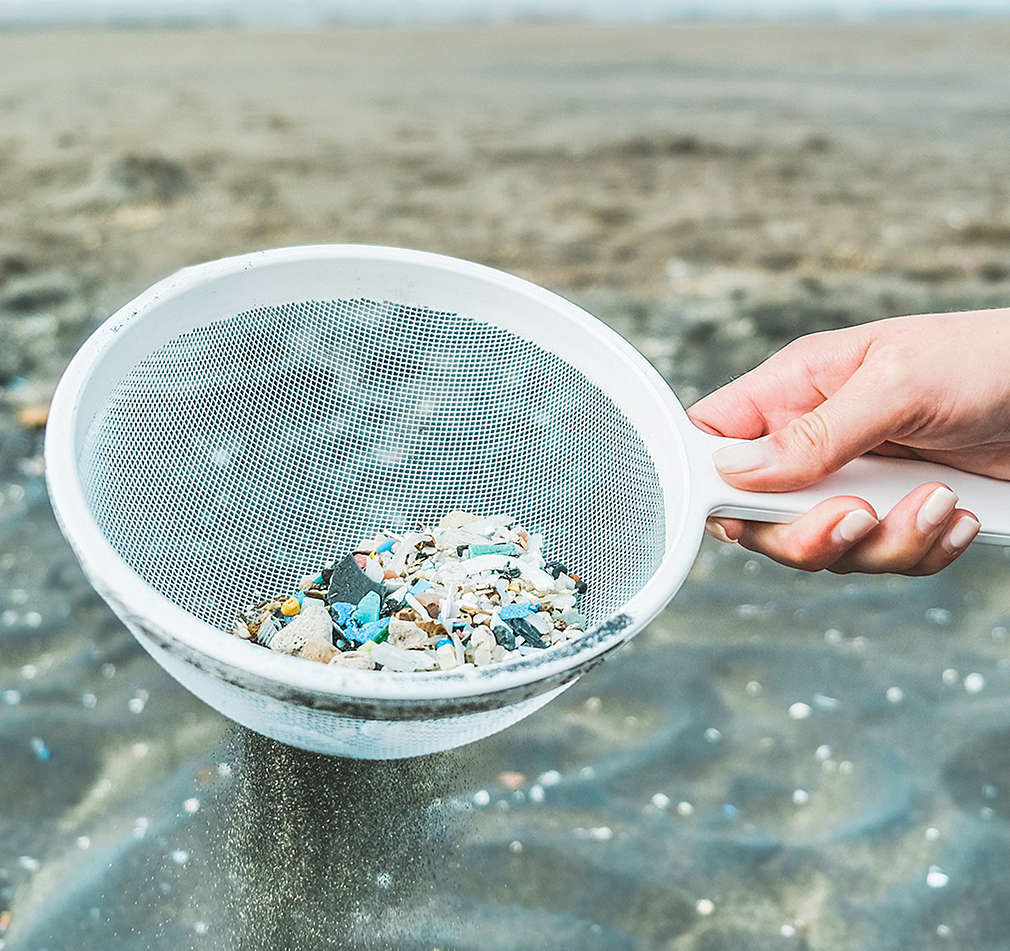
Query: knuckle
(808,439)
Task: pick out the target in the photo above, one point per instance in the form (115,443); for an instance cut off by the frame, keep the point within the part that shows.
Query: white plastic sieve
(243,421)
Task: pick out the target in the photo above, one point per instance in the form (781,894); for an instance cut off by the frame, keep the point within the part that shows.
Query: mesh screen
(242,454)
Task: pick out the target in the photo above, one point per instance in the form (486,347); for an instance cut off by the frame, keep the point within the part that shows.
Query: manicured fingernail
(960,534)
(744,456)
(716,530)
(854,526)
(934,511)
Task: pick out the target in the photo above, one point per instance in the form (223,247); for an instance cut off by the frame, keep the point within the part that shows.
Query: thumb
(858,417)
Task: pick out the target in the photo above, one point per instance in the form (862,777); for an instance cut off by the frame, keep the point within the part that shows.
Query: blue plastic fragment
(367,609)
(356,635)
(420,586)
(300,597)
(372,631)
(387,545)
(459,622)
(342,612)
(439,643)
(511,611)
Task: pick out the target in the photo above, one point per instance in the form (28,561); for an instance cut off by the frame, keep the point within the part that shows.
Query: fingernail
(744,456)
(854,526)
(938,505)
(960,534)
(716,530)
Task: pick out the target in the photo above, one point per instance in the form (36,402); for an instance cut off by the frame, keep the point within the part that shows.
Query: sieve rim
(140,605)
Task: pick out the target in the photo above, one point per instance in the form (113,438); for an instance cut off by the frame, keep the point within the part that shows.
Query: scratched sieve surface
(242,454)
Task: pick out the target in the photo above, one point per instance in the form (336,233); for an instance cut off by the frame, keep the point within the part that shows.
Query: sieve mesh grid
(241,454)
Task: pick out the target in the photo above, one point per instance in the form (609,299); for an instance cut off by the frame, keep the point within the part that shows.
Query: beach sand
(711,191)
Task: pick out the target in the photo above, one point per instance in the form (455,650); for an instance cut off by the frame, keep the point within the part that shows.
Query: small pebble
(936,877)
(800,797)
(799,711)
(932,834)
(12,697)
(481,798)
(974,683)
(180,856)
(753,688)
(191,805)
(83,842)
(89,701)
(895,695)
(515,846)
(787,931)
(685,808)
(704,907)
(536,793)
(660,800)
(712,735)
(950,676)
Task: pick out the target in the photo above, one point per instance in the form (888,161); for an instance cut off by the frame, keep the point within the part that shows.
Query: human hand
(934,387)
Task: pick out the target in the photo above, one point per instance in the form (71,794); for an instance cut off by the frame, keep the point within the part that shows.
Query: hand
(933,387)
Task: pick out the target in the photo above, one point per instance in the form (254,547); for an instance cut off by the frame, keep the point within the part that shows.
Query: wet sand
(709,191)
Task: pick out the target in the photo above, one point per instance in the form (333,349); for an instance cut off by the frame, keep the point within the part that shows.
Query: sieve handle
(880,480)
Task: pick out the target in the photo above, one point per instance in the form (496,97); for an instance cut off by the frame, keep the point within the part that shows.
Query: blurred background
(781,761)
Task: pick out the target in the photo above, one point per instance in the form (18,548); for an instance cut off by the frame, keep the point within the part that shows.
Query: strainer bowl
(244,421)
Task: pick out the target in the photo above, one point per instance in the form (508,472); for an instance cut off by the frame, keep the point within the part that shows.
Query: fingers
(815,540)
(958,534)
(922,534)
(906,535)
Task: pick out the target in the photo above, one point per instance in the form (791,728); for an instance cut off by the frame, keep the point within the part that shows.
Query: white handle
(880,480)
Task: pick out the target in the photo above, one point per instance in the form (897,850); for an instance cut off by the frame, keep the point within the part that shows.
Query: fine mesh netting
(246,452)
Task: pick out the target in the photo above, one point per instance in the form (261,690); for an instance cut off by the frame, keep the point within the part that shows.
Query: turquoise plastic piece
(387,545)
(475,550)
(367,609)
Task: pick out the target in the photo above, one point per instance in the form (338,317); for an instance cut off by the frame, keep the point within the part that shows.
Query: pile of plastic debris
(472,591)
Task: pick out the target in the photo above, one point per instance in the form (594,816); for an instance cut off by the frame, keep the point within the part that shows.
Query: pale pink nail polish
(960,534)
(744,456)
(934,511)
(855,525)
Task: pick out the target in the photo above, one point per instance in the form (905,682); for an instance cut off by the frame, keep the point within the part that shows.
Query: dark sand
(710,191)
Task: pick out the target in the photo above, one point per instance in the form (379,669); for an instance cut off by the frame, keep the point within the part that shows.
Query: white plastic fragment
(395,658)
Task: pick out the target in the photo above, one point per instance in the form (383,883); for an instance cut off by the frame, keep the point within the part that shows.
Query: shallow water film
(780,761)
